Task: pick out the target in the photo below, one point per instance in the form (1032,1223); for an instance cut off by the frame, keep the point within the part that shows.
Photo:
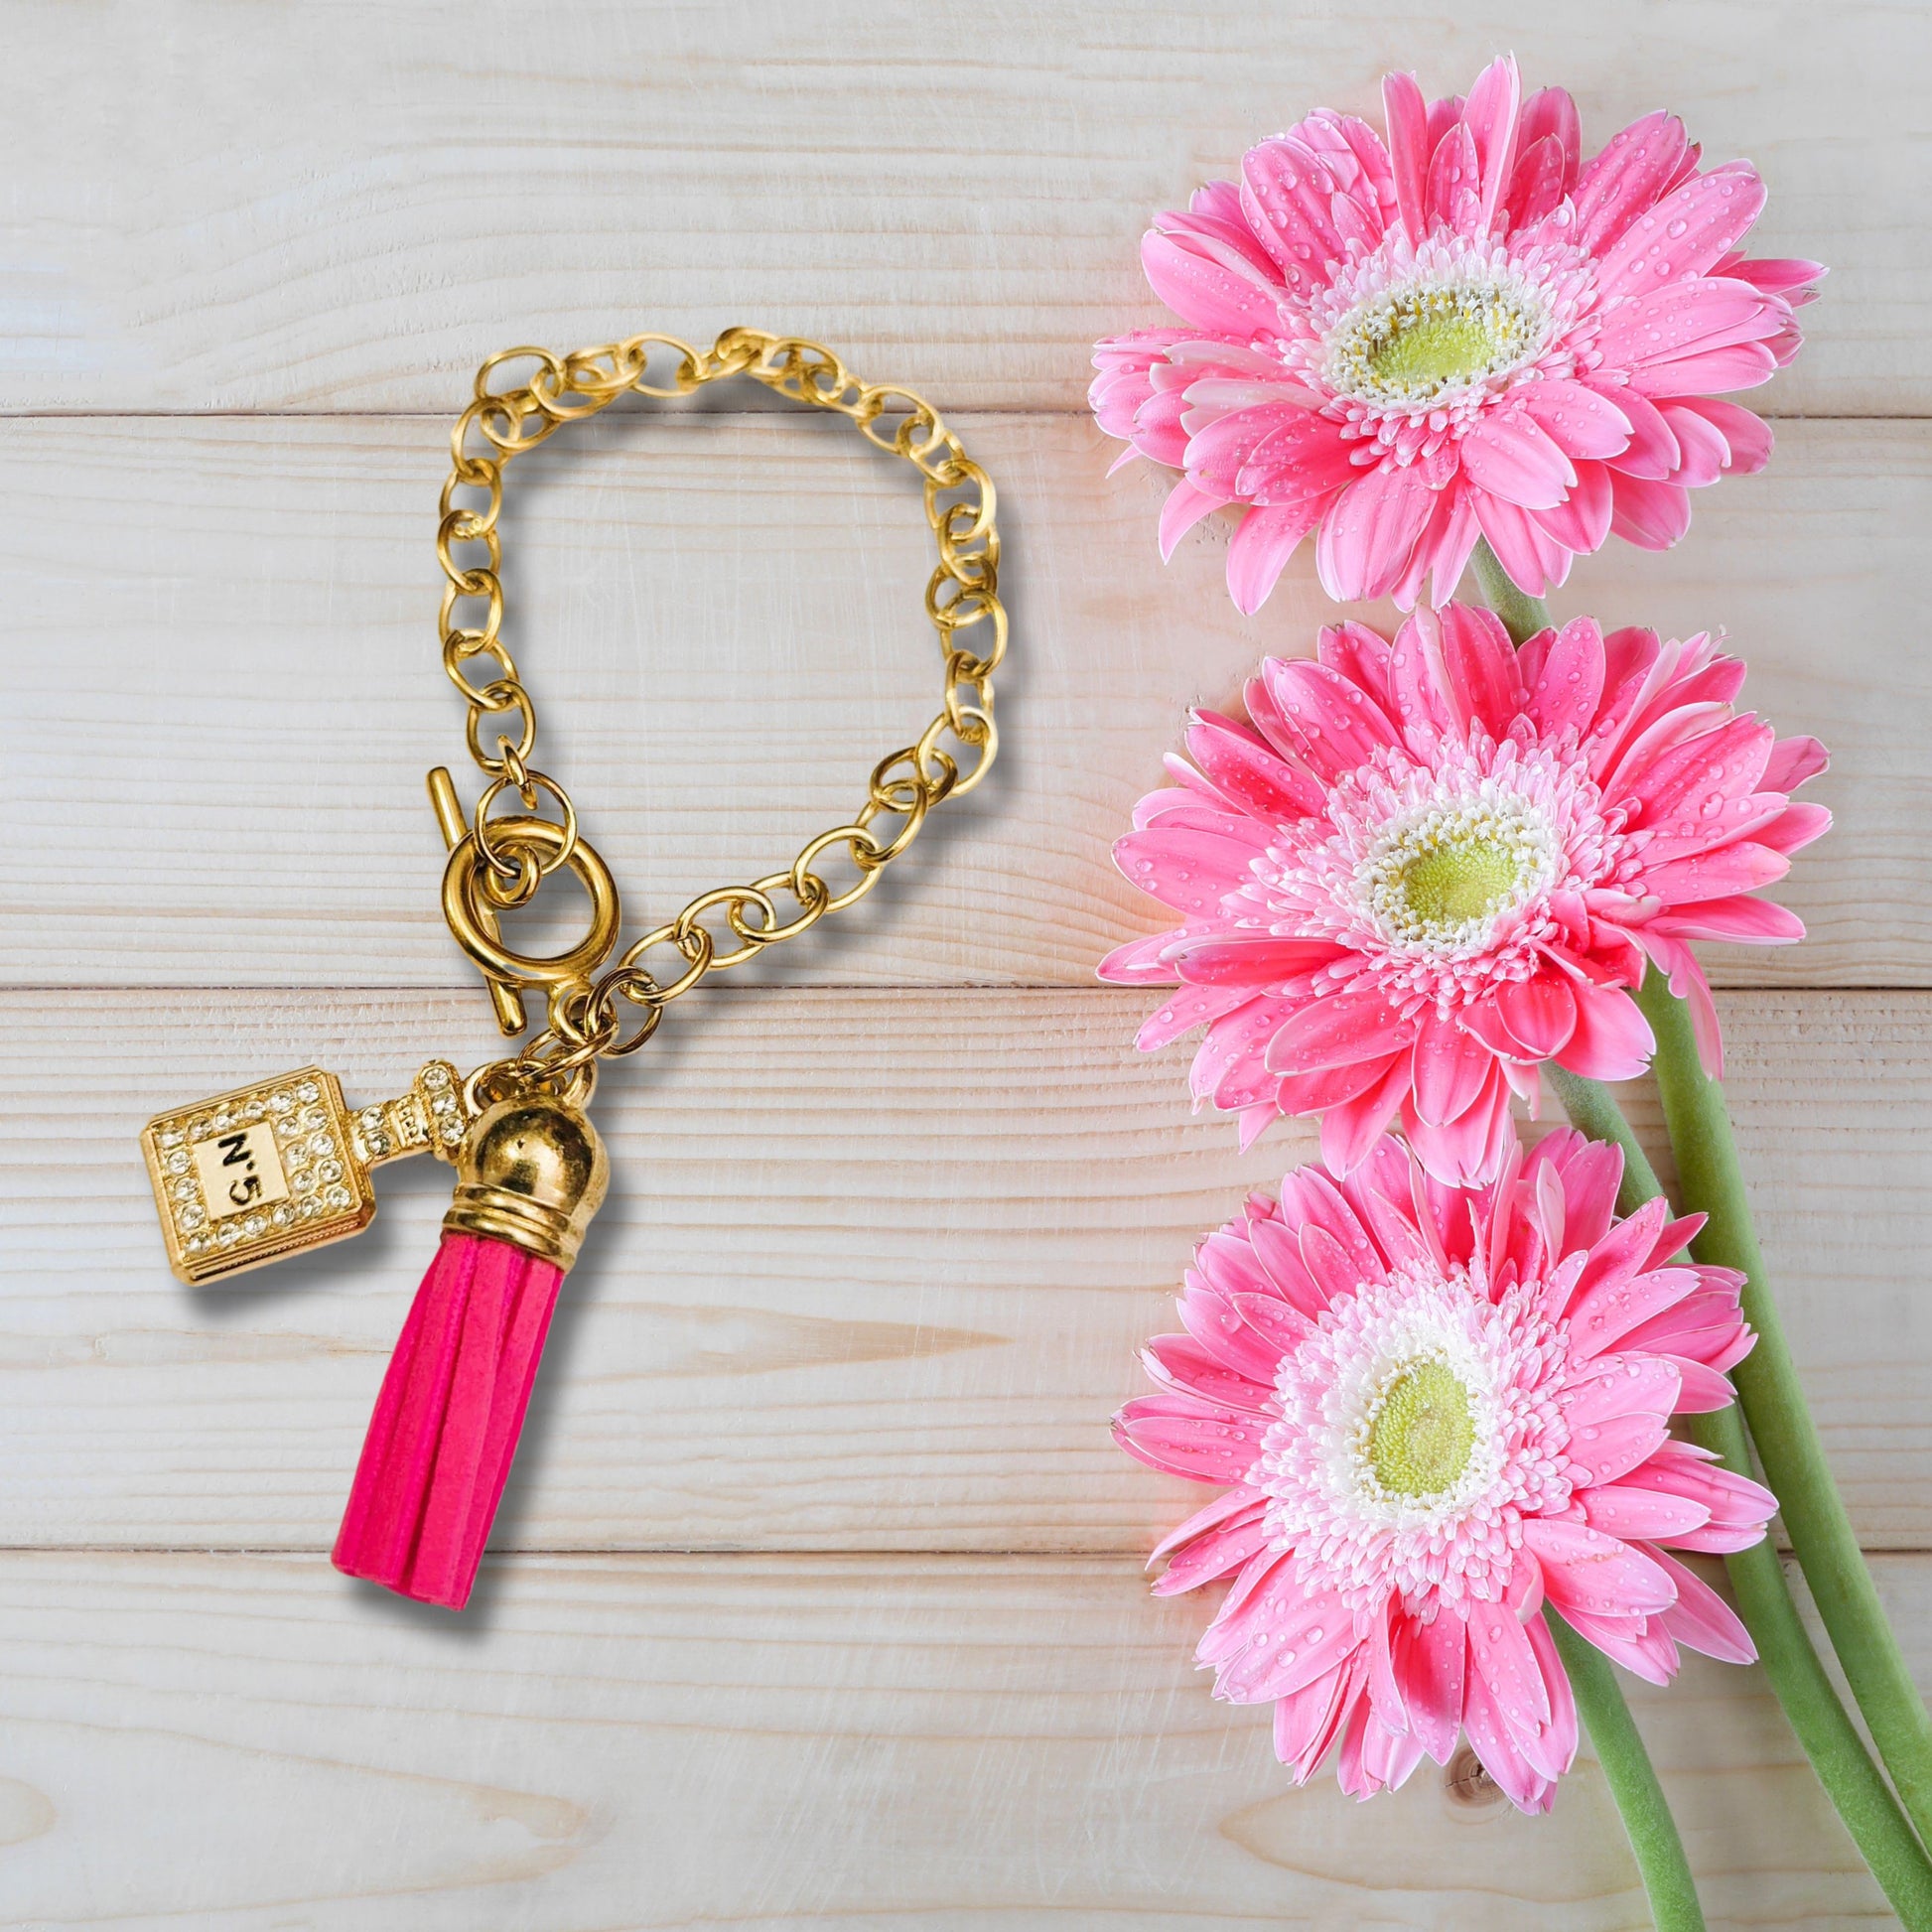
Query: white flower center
(1415,1425)
(1427,340)
(1439,879)
(1408,1429)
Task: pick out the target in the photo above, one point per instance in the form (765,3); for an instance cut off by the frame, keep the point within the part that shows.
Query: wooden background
(818,1600)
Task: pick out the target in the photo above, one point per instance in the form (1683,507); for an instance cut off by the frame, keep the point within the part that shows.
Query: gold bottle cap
(532,1172)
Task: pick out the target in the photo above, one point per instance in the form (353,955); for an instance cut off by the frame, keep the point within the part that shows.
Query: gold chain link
(949,757)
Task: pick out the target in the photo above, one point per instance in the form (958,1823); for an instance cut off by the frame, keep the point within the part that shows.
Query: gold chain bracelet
(284,1164)
(499,863)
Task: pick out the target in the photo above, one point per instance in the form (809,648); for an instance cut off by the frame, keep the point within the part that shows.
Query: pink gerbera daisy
(1440,1410)
(1467,331)
(1428,866)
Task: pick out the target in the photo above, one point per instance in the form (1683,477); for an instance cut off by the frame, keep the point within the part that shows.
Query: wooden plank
(219,732)
(348,206)
(873,1274)
(249,1742)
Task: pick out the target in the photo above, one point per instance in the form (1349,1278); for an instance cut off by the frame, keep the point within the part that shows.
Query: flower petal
(1701,1620)
(1208,1517)
(1712,371)
(1261,547)
(1351,1129)
(1203,292)
(1637,166)
(1652,515)
(1187,1437)
(1581,422)
(1490,116)
(1583,1568)
(1502,1755)
(1636,1513)
(1185,508)
(1406,114)
(1337,1031)
(1540,1012)
(1214,1554)
(1251,959)
(1509,455)
(1451,1068)
(1189,871)
(1368,532)
(1687,231)
(1429,1661)
(1741,921)
(1568,682)
(1179,1364)
(1501,1653)
(1612,1041)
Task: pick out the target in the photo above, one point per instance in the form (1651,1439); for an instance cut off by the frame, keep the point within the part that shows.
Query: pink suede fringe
(446,1424)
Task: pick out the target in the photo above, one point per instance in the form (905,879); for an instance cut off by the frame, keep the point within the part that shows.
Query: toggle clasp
(474,920)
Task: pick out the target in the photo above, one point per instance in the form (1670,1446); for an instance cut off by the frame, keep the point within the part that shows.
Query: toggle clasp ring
(473,922)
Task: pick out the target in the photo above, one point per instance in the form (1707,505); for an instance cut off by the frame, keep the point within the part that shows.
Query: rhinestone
(183,1189)
(191,1217)
(377,1145)
(253,1227)
(320,1145)
(198,1246)
(452,1132)
(310,1209)
(280,1101)
(168,1138)
(313,1117)
(331,1170)
(255,1110)
(178,1160)
(288,1129)
(282,1217)
(227,1234)
(308,1091)
(337,1198)
(220,1120)
(303,1181)
(370,1117)
(436,1075)
(198,1129)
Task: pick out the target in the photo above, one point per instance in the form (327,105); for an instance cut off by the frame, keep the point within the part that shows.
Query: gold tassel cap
(532,1172)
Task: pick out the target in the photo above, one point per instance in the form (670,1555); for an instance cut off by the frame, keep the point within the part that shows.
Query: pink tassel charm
(445,1429)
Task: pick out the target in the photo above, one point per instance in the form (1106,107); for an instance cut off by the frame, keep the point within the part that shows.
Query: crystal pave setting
(270,1170)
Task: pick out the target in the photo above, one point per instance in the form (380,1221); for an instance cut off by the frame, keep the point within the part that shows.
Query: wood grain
(888,1227)
(348,206)
(872,1277)
(251,1742)
(219,732)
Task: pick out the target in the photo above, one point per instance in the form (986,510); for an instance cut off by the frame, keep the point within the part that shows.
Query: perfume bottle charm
(283,1165)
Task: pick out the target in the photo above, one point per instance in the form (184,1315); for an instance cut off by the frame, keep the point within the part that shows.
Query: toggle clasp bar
(474,922)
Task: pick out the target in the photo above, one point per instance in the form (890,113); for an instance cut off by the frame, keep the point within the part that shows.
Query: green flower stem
(1811,1701)
(1822,1537)
(1523,617)
(1648,1818)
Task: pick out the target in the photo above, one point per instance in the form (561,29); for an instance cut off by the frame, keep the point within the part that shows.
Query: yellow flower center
(1438,879)
(1412,346)
(1421,1436)
(1461,880)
